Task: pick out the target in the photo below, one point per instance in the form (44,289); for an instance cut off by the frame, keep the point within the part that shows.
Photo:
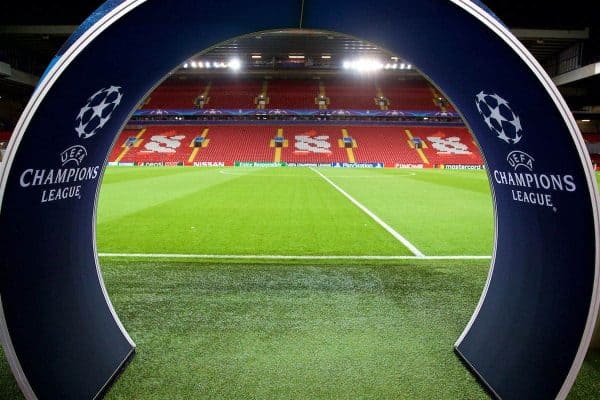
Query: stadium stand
(340,93)
(168,145)
(383,144)
(410,95)
(174,94)
(350,94)
(591,137)
(119,146)
(448,145)
(313,144)
(292,93)
(592,141)
(392,145)
(229,144)
(233,93)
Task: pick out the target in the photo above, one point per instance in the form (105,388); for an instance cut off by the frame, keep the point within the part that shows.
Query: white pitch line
(289,257)
(374,217)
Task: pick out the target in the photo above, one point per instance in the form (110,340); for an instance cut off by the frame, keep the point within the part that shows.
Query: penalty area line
(374,217)
(289,257)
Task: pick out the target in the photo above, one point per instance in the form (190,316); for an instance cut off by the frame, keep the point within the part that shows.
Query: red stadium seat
(304,144)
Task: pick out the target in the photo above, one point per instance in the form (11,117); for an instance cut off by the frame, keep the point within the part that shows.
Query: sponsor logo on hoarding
(252,164)
(462,166)
(409,166)
(208,164)
(98,110)
(357,165)
(499,117)
(314,165)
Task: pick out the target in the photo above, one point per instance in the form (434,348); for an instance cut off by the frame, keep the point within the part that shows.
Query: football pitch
(295,212)
(284,283)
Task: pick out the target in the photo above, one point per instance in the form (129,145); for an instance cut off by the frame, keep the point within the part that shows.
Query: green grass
(267,331)
(276,331)
(440,212)
(207,212)
(293,211)
(295,330)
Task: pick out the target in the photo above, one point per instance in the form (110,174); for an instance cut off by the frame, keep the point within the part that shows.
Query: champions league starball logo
(98,110)
(277,111)
(499,117)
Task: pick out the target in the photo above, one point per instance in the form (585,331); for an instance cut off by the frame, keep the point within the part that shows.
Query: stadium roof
(30,36)
(310,43)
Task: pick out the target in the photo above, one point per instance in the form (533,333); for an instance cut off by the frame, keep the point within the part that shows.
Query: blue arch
(534,322)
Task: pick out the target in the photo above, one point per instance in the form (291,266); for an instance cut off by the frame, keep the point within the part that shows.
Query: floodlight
(235,64)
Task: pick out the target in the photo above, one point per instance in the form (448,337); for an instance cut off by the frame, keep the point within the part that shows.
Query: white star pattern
(500,100)
(503,136)
(478,104)
(99,109)
(508,126)
(113,89)
(102,104)
(496,115)
(118,100)
(488,121)
(83,111)
(103,122)
(517,138)
(92,97)
(481,97)
(80,130)
(517,124)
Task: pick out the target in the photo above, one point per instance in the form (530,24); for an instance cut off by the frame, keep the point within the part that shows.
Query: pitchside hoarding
(532,327)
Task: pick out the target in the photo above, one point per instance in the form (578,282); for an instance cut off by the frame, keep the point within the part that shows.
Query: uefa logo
(499,117)
(98,110)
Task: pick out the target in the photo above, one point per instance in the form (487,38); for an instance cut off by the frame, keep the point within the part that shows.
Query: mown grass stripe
(374,217)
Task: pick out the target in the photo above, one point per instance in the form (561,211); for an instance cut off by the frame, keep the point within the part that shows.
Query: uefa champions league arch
(532,327)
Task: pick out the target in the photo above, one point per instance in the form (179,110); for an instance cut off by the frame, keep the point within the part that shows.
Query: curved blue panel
(532,327)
